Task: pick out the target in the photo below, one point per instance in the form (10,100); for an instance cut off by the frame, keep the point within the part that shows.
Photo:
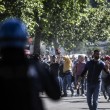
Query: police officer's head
(13,33)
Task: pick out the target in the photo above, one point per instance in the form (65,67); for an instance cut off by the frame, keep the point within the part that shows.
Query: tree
(61,22)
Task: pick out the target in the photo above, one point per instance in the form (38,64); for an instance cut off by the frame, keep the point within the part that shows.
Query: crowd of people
(83,76)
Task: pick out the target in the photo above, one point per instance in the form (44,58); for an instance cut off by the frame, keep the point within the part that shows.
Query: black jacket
(19,88)
(93,69)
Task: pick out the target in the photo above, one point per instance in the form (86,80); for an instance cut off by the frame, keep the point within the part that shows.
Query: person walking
(67,78)
(94,68)
(19,77)
(78,68)
(55,68)
(106,80)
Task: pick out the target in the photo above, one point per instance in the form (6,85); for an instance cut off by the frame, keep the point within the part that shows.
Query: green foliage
(2,9)
(66,21)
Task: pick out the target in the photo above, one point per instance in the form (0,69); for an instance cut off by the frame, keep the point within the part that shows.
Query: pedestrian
(67,76)
(93,69)
(61,75)
(19,76)
(54,66)
(78,68)
(106,80)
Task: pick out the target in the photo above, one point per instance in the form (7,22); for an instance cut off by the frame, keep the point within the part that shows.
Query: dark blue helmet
(13,33)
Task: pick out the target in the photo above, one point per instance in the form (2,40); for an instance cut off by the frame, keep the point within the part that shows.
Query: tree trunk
(37,41)
(56,45)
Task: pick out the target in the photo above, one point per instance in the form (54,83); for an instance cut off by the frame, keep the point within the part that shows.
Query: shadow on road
(103,102)
(77,101)
(98,108)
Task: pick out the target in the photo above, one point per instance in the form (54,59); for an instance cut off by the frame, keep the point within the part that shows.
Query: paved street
(73,103)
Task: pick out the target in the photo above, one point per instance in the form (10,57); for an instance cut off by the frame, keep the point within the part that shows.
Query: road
(73,103)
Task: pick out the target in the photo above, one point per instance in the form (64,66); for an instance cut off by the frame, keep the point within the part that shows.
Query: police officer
(19,78)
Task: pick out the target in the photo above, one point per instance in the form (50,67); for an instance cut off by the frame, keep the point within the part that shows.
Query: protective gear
(22,79)
(13,33)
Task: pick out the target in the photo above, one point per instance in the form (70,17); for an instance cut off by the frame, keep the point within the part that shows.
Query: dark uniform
(20,78)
